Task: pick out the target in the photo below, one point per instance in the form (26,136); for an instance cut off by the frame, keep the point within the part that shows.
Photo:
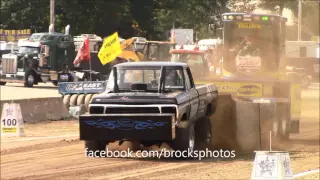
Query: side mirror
(135,45)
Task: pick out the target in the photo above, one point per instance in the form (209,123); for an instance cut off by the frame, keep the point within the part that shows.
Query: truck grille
(9,65)
(131,110)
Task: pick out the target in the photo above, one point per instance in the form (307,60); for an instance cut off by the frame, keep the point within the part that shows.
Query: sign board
(110,49)
(82,87)
(271,165)
(11,120)
(182,36)
(14,35)
(240,89)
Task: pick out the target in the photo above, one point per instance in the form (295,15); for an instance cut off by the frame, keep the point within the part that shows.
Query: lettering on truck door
(193,95)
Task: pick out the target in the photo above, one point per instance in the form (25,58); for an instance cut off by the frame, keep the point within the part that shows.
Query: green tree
(152,18)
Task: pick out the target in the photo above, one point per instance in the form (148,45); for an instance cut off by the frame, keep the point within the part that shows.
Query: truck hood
(20,55)
(140,98)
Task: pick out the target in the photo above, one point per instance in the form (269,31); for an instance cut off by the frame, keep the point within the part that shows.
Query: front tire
(3,83)
(30,79)
(185,139)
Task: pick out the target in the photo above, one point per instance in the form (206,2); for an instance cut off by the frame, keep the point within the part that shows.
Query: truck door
(193,95)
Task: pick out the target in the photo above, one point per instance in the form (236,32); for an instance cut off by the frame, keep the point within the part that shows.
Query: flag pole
(88,45)
(90,68)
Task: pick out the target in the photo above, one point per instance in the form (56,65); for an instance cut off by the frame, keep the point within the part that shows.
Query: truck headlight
(64,77)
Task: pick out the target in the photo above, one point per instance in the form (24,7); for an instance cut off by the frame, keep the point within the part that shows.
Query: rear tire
(203,132)
(3,83)
(93,148)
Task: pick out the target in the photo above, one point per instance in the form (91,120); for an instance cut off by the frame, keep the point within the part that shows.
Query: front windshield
(190,59)
(197,63)
(246,41)
(149,76)
(27,49)
(35,37)
(41,37)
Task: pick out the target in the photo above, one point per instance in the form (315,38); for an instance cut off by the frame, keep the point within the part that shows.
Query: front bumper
(136,127)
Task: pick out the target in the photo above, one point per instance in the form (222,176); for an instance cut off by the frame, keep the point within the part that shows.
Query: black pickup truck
(150,103)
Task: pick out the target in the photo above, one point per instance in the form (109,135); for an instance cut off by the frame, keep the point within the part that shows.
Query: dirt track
(64,159)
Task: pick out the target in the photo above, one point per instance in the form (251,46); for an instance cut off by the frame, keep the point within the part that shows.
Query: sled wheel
(73,100)
(80,99)
(66,100)
(87,100)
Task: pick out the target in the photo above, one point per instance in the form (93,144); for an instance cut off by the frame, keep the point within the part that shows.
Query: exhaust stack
(51,28)
(67,30)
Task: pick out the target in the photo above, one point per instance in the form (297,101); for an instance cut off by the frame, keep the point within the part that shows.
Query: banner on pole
(14,35)
(110,49)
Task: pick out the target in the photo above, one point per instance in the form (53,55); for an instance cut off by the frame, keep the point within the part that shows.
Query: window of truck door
(188,77)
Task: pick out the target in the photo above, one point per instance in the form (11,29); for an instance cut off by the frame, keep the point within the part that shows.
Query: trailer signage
(81,87)
(240,89)
(248,89)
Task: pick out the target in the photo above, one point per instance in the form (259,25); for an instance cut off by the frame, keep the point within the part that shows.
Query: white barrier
(271,165)
(11,120)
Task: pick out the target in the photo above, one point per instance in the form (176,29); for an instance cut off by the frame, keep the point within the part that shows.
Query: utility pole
(52,14)
(299,19)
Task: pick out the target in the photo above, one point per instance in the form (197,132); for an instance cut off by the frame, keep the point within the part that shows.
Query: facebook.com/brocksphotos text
(163,153)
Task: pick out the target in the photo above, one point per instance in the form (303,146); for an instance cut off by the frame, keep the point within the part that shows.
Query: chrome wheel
(30,79)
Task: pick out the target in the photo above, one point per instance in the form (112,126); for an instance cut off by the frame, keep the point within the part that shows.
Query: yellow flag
(110,49)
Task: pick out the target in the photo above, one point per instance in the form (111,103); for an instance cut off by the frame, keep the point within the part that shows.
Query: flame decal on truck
(125,124)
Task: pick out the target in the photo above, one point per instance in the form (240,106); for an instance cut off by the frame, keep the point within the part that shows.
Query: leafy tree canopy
(150,18)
